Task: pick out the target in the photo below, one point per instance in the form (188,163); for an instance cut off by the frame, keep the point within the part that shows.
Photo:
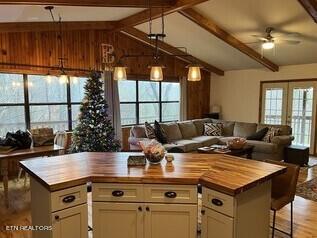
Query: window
(142,101)
(12,115)
(42,103)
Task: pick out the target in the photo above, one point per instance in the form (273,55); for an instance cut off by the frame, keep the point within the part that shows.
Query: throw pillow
(259,135)
(149,131)
(213,129)
(160,133)
(273,131)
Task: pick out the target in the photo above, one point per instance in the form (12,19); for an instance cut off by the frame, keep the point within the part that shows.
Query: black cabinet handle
(56,217)
(217,202)
(140,209)
(203,212)
(170,194)
(69,199)
(147,209)
(117,193)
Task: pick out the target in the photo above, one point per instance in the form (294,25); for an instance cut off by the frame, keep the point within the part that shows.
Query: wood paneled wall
(82,49)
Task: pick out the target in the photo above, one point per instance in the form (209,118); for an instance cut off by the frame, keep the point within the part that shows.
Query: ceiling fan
(271,38)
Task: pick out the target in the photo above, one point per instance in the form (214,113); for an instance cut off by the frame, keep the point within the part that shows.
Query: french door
(294,104)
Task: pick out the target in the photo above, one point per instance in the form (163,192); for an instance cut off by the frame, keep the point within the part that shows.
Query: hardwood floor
(305,211)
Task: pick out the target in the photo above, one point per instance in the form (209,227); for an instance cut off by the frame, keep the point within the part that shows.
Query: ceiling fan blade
(254,42)
(260,37)
(290,42)
(286,34)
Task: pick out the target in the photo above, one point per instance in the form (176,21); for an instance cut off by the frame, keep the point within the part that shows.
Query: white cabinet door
(170,221)
(117,220)
(70,223)
(216,225)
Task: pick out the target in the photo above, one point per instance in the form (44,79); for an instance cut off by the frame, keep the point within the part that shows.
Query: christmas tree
(94,132)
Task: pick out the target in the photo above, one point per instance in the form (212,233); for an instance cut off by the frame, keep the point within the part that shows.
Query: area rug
(308,190)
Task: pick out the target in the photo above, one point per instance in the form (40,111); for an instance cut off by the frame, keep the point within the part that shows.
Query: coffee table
(246,151)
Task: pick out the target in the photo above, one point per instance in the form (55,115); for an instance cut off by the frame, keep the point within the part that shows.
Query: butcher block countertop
(226,174)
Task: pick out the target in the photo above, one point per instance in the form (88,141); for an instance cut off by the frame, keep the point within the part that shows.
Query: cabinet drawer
(170,193)
(218,201)
(107,192)
(68,197)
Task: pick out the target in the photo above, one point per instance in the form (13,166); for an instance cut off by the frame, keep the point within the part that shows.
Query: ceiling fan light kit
(268,45)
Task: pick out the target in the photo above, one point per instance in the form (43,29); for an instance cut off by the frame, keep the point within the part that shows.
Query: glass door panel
(274,103)
(301,113)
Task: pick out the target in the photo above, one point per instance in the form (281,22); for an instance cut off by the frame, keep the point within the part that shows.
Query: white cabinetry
(244,216)
(149,211)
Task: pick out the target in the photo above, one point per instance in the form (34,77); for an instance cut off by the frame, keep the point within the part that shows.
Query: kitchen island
(152,201)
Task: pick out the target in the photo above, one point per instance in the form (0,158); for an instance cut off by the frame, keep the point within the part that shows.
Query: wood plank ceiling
(184,7)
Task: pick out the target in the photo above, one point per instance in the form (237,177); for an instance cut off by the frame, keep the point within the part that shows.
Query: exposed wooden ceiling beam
(214,29)
(144,16)
(51,26)
(169,49)
(95,3)
(311,7)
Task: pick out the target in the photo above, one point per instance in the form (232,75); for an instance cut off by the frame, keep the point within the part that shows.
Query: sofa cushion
(262,147)
(259,135)
(206,140)
(199,124)
(212,129)
(271,133)
(189,145)
(285,129)
(160,133)
(172,131)
(227,126)
(244,129)
(138,132)
(149,131)
(187,129)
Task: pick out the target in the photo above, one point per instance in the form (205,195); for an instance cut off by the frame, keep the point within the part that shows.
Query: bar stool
(283,192)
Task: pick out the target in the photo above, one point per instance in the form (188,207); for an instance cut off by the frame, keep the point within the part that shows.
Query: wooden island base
(154,201)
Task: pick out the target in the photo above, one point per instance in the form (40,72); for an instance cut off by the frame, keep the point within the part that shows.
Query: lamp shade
(156,73)
(194,73)
(268,45)
(63,78)
(120,73)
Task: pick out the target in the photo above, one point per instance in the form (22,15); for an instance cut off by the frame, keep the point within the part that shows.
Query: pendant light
(63,78)
(156,73)
(194,74)
(120,72)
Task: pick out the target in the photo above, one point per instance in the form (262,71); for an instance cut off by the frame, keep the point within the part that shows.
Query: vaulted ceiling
(241,19)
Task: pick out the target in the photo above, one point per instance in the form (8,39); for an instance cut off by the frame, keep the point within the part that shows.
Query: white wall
(238,91)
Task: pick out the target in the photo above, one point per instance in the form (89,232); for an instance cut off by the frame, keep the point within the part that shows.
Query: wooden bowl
(236,143)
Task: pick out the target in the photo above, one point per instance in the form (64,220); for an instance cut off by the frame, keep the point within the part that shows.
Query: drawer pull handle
(56,217)
(217,202)
(117,193)
(140,209)
(147,209)
(170,194)
(69,199)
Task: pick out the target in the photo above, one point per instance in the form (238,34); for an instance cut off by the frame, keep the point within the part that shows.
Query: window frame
(138,102)
(27,104)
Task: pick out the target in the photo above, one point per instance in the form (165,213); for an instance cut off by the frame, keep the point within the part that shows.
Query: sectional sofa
(189,135)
